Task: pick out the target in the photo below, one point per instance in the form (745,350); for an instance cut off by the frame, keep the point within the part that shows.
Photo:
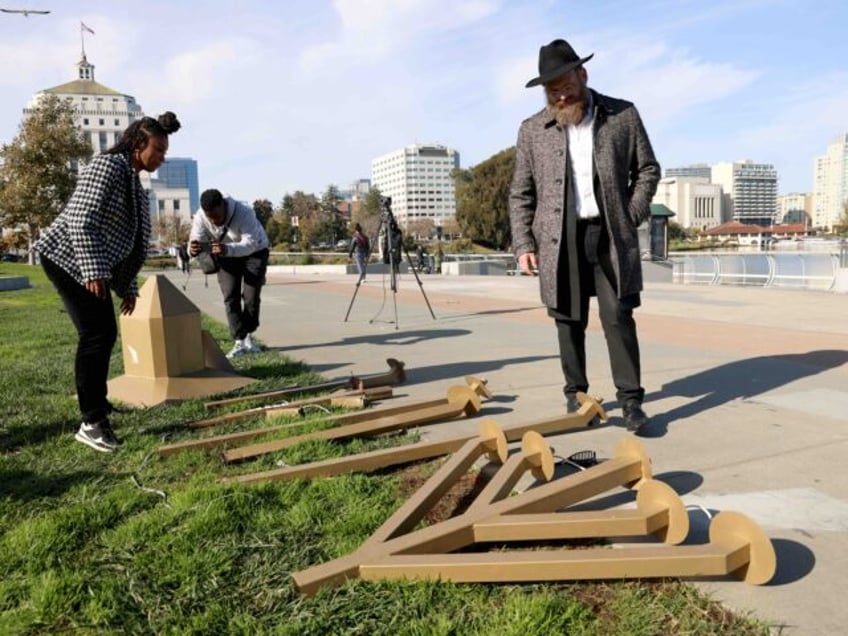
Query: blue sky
(280,96)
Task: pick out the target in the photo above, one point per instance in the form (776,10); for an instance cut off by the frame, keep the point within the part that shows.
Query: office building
(700,170)
(181,173)
(795,207)
(694,200)
(830,184)
(419,179)
(749,191)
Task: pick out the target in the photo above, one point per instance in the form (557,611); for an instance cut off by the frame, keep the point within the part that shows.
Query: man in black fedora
(584,177)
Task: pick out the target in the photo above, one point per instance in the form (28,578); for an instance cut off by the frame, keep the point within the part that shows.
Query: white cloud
(372,29)
(213,71)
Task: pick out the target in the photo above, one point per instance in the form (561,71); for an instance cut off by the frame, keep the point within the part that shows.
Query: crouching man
(230,230)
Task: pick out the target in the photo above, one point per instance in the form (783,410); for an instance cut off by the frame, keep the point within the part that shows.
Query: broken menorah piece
(395,375)
(475,384)
(396,551)
(460,401)
(590,411)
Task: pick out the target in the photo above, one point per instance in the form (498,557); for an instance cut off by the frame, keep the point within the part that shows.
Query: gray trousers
(241,279)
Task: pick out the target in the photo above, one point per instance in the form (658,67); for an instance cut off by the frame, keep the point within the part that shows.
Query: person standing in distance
(584,177)
(360,247)
(239,242)
(98,244)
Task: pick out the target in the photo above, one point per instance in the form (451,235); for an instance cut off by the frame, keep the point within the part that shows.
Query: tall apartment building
(830,184)
(749,191)
(701,170)
(695,201)
(418,179)
(102,114)
(795,207)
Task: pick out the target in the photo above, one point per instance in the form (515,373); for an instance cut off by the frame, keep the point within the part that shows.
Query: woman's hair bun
(169,122)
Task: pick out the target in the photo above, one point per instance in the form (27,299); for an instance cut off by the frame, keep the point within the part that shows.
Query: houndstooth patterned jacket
(104,229)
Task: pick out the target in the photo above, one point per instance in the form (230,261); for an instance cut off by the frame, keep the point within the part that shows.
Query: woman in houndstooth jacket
(98,243)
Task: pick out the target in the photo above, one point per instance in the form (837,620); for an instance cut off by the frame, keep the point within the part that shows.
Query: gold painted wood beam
(590,410)
(462,401)
(737,547)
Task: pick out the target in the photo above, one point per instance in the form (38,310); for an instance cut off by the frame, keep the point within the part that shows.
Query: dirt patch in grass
(454,502)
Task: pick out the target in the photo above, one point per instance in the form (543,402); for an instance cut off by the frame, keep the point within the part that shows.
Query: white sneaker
(239,349)
(98,436)
(251,346)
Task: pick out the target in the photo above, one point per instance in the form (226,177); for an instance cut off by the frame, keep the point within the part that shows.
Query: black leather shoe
(572,404)
(634,416)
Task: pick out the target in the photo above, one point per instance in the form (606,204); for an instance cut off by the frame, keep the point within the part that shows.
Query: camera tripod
(392,244)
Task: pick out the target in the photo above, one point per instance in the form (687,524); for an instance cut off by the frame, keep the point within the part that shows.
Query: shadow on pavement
(794,561)
(457,370)
(738,379)
(394,338)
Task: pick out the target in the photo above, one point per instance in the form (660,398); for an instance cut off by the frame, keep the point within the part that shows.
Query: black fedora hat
(555,59)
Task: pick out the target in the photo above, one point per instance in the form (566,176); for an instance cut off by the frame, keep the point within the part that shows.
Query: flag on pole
(86,28)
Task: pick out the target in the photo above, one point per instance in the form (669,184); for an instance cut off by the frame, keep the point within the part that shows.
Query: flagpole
(82,40)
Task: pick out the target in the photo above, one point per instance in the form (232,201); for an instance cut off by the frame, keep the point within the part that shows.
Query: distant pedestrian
(234,236)
(184,259)
(360,249)
(98,244)
(584,177)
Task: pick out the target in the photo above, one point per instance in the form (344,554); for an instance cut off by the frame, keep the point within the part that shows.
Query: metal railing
(802,270)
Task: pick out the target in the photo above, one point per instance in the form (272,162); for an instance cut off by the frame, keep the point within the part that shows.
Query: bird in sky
(26,12)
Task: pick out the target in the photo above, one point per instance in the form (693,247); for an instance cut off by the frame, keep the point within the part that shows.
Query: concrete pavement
(747,389)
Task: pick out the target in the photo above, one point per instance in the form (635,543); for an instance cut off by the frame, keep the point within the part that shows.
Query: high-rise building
(830,184)
(103,114)
(701,170)
(180,172)
(419,180)
(749,191)
(695,201)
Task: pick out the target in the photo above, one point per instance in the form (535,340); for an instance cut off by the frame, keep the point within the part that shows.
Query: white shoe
(251,346)
(239,349)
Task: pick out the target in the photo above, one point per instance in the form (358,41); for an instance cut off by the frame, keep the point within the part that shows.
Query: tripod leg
(420,285)
(355,292)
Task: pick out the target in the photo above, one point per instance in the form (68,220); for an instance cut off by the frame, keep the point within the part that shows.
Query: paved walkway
(747,389)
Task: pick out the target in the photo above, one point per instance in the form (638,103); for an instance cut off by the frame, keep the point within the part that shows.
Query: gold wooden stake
(395,375)
(590,409)
(461,400)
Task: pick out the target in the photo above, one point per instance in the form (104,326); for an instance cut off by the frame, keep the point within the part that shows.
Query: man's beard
(569,114)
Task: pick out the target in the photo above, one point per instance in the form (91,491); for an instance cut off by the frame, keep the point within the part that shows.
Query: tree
(676,232)
(331,224)
(422,228)
(368,215)
(264,211)
(482,199)
(841,226)
(38,168)
(304,213)
(172,229)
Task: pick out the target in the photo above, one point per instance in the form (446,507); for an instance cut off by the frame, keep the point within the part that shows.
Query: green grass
(84,549)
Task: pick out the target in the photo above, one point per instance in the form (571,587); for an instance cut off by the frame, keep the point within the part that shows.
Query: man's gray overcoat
(543,219)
